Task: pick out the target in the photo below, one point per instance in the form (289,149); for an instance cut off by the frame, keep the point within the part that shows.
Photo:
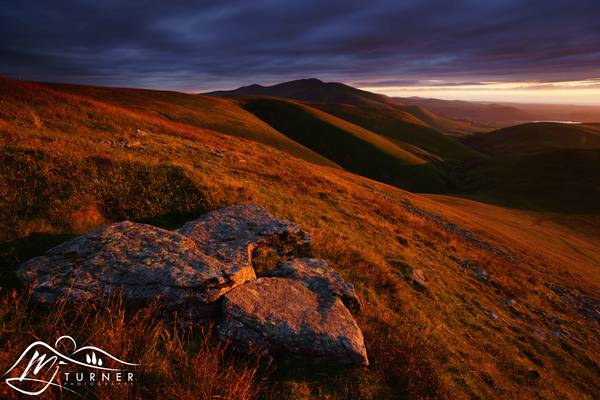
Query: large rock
(282,315)
(235,234)
(318,277)
(141,260)
(213,257)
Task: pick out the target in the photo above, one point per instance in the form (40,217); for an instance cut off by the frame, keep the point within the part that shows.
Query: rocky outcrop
(234,234)
(142,261)
(301,311)
(282,315)
(320,278)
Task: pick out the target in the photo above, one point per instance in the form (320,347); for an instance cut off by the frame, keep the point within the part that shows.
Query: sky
(494,50)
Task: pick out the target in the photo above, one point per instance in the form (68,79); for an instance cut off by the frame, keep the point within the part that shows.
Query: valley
(475,258)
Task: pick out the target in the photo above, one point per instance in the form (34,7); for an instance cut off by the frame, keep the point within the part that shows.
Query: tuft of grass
(175,363)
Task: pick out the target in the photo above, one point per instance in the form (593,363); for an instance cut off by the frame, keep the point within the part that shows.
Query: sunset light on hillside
(300,200)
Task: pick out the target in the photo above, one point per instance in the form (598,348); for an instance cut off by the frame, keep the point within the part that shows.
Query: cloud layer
(193,46)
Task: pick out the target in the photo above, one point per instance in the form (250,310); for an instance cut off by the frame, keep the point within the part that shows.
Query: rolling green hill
(449,126)
(403,129)
(394,164)
(546,167)
(386,144)
(536,137)
(564,180)
(492,114)
(319,92)
(351,146)
(222,115)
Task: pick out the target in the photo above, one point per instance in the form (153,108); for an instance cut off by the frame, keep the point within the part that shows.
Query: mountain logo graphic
(41,366)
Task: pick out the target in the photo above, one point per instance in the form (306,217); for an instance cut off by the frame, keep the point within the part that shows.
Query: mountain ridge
(312,90)
(316,91)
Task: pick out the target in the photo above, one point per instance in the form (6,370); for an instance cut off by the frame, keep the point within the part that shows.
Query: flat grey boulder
(315,274)
(282,315)
(141,260)
(235,234)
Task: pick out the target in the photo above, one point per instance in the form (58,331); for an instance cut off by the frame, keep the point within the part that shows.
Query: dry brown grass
(176,363)
(72,175)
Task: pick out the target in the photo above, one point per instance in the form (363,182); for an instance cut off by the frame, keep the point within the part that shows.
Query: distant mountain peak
(307,80)
(314,90)
(253,86)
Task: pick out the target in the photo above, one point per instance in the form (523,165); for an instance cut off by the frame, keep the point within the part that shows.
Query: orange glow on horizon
(585,92)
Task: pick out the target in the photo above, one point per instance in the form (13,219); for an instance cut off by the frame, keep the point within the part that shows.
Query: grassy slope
(532,232)
(70,164)
(536,137)
(354,148)
(222,115)
(449,126)
(543,166)
(495,115)
(566,180)
(402,128)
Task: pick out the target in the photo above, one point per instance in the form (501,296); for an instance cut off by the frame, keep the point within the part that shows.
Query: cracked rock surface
(141,260)
(320,278)
(234,233)
(282,315)
(300,309)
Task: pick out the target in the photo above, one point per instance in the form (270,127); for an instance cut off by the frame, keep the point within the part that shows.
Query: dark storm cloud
(206,45)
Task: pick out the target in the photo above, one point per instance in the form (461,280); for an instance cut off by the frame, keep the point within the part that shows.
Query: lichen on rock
(318,277)
(301,312)
(277,315)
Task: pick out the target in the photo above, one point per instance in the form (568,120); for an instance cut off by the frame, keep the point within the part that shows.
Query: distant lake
(561,122)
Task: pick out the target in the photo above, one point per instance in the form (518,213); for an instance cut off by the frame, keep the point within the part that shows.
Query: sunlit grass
(80,164)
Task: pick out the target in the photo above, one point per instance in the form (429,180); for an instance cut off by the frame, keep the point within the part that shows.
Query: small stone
(481,274)
(418,279)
